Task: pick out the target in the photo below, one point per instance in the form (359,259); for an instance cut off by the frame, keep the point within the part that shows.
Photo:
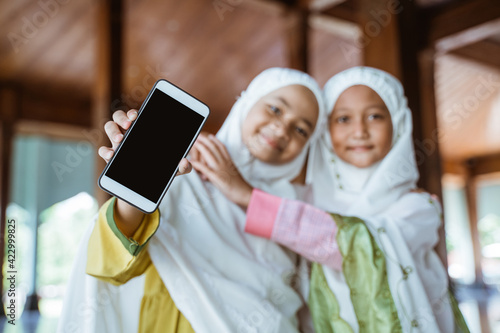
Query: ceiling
(49,49)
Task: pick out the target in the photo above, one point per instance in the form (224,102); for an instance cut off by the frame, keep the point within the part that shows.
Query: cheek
(293,150)
(250,126)
(245,134)
(337,136)
(298,145)
(385,140)
(386,148)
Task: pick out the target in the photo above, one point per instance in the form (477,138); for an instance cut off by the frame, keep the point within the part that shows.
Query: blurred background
(66,65)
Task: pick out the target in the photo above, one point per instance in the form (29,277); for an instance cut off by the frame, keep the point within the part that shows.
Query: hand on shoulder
(211,159)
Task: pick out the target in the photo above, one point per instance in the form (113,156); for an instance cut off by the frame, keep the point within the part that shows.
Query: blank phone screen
(157,142)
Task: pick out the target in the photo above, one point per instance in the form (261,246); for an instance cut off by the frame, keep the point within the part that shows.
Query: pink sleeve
(261,213)
(301,227)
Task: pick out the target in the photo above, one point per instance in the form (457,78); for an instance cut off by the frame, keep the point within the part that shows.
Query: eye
(376,116)
(274,109)
(342,119)
(302,131)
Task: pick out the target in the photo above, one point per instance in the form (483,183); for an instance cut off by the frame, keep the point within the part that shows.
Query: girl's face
(360,127)
(278,126)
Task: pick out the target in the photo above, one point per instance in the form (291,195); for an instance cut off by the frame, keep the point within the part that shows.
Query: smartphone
(145,163)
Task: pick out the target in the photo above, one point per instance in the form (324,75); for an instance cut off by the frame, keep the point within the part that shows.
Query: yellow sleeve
(111,256)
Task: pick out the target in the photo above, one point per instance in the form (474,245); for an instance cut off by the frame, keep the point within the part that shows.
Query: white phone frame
(120,191)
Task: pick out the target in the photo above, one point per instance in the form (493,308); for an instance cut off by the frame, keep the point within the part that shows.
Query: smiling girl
(202,272)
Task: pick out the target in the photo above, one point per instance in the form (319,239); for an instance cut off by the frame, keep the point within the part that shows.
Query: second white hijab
(375,195)
(374,188)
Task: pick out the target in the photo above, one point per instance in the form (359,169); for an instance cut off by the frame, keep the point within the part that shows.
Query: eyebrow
(348,109)
(308,123)
(284,101)
(379,106)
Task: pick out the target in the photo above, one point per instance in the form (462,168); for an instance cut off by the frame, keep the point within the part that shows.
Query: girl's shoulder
(418,202)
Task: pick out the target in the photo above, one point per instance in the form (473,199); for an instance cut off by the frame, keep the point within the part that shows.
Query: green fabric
(364,268)
(132,246)
(323,305)
(460,324)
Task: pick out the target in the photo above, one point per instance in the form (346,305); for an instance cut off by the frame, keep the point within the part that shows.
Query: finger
(184,167)
(220,146)
(121,119)
(132,115)
(106,153)
(203,135)
(210,145)
(207,155)
(202,169)
(194,153)
(114,134)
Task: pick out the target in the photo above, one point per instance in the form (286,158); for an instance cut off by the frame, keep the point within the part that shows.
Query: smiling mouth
(272,143)
(360,149)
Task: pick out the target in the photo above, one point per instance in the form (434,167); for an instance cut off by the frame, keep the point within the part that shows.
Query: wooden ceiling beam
(484,165)
(280,5)
(485,52)
(53,130)
(467,37)
(268,6)
(473,167)
(335,26)
(52,104)
(321,5)
(344,10)
(456,168)
(458,23)
(55,108)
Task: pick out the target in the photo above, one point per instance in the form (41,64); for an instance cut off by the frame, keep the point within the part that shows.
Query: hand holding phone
(115,129)
(144,164)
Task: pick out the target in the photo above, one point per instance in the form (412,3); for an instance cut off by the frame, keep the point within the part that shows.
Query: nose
(280,128)
(360,129)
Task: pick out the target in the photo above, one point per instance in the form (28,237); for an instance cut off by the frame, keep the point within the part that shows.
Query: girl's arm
(211,159)
(301,227)
(114,257)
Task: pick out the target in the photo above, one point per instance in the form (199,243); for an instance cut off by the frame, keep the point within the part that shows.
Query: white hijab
(404,224)
(259,173)
(374,188)
(220,278)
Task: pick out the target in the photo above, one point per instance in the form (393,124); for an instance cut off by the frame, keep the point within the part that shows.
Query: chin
(264,158)
(361,164)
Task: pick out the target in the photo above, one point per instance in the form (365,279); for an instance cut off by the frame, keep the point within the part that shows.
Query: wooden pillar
(379,42)
(297,35)
(108,81)
(417,76)
(9,104)
(427,139)
(471,199)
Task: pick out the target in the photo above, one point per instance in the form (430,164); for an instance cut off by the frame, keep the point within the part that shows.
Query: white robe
(219,277)
(404,224)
